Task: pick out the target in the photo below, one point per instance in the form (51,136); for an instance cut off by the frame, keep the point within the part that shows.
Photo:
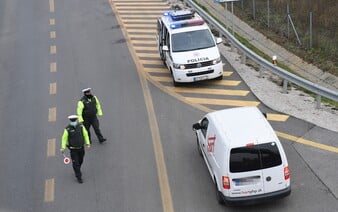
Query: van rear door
(246,175)
(272,167)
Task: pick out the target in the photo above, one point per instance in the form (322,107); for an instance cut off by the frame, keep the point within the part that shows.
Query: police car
(187,47)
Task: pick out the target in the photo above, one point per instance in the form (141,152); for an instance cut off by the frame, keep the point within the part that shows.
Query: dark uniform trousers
(93,121)
(77,159)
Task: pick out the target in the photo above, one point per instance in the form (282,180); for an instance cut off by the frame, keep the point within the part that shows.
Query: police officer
(74,137)
(87,109)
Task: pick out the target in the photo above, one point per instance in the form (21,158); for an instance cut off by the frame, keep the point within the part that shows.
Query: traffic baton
(66,159)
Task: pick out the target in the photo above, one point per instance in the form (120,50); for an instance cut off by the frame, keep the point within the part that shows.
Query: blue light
(175,26)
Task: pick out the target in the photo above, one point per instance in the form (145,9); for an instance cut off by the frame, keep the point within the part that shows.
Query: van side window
(204,125)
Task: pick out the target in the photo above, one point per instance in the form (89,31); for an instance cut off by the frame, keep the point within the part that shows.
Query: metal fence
(306,24)
(264,64)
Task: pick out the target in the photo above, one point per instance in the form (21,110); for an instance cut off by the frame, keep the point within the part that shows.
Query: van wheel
(198,146)
(219,195)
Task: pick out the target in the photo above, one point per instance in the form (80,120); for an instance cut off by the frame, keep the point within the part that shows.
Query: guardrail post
(285,86)
(243,58)
(232,47)
(318,100)
(261,71)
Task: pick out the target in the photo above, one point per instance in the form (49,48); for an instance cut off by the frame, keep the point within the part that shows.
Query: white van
(244,156)
(187,47)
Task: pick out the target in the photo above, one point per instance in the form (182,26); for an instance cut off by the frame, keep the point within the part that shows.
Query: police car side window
(164,33)
(204,126)
(167,38)
(159,26)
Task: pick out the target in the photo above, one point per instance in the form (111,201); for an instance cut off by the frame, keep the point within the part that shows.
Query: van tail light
(286,173)
(226,182)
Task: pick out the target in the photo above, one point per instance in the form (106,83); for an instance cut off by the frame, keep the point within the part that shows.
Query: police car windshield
(193,40)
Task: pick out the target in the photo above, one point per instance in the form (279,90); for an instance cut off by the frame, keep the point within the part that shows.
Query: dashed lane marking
(49,190)
(52,67)
(52,35)
(53,49)
(52,88)
(51,21)
(51,147)
(52,114)
(51,6)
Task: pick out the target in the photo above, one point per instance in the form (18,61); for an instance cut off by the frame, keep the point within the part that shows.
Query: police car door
(161,32)
(167,53)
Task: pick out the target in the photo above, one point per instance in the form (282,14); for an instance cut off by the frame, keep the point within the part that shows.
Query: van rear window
(251,158)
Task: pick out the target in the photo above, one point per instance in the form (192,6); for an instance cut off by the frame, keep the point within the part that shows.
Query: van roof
(243,125)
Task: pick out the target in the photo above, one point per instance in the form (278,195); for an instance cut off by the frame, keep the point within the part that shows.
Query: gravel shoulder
(295,103)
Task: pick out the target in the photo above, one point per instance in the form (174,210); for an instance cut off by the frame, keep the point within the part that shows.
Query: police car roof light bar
(181,24)
(180,15)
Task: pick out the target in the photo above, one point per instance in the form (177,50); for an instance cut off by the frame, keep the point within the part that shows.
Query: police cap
(72,117)
(86,90)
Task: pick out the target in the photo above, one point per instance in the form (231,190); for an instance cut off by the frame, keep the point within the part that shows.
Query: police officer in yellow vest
(88,108)
(75,137)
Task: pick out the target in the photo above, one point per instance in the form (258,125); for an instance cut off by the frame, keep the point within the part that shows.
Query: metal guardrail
(285,75)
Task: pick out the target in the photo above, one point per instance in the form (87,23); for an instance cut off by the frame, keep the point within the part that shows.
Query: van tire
(198,146)
(219,195)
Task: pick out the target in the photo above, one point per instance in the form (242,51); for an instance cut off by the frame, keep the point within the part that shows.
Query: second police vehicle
(187,47)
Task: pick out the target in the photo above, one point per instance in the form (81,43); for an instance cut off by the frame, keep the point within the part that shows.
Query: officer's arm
(98,107)
(85,136)
(64,140)
(79,110)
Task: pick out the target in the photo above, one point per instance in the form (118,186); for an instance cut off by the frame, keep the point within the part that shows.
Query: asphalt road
(49,51)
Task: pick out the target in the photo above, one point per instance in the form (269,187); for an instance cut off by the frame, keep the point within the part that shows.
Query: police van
(187,47)
(244,156)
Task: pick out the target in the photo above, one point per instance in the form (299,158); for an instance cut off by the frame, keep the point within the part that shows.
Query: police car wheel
(219,78)
(219,195)
(176,84)
(198,146)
